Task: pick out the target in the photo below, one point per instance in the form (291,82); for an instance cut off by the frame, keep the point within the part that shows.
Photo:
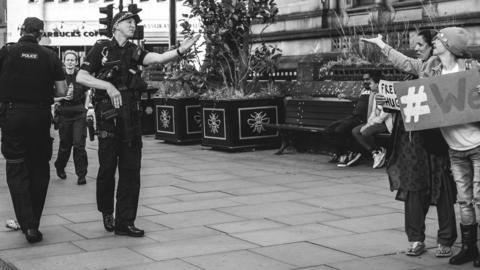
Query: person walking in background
(378,122)
(340,131)
(117,95)
(418,165)
(72,122)
(30,76)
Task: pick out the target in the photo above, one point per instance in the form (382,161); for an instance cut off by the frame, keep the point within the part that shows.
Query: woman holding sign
(418,165)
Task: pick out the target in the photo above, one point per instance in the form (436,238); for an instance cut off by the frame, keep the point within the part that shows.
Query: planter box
(178,120)
(237,124)
(148,117)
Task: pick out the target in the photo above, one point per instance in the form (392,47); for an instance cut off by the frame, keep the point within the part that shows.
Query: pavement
(205,209)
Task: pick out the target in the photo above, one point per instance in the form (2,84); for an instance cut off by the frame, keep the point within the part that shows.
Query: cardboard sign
(386,88)
(440,101)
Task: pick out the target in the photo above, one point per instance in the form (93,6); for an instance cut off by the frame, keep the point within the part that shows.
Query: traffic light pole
(173,23)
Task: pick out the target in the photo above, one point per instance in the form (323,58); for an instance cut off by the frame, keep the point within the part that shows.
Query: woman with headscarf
(418,165)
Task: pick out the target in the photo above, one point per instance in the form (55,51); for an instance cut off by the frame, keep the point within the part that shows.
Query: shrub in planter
(177,108)
(235,99)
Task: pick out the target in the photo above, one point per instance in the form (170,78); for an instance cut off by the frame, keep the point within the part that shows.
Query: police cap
(124,15)
(32,25)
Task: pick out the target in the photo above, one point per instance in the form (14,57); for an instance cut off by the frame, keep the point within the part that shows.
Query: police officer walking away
(28,74)
(117,82)
(72,122)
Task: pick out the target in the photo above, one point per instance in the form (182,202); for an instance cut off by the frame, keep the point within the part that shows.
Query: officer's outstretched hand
(115,96)
(377,41)
(187,43)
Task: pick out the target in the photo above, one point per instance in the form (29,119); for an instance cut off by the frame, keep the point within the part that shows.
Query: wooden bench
(312,115)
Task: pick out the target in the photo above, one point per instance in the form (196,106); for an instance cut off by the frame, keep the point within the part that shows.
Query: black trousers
(127,156)
(73,133)
(417,204)
(340,134)
(27,148)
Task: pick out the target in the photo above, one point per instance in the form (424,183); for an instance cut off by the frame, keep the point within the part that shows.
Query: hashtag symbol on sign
(414,108)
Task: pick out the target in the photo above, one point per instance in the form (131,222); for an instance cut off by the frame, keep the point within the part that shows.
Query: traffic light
(107,21)
(139,29)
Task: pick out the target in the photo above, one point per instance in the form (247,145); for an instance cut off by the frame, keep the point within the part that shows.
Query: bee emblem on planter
(257,120)
(214,123)
(198,118)
(165,119)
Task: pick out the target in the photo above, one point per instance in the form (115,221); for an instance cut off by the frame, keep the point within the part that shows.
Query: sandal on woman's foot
(443,251)
(416,249)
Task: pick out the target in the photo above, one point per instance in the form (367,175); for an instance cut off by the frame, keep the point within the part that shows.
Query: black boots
(129,230)
(469,251)
(81,180)
(108,222)
(33,235)
(61,173)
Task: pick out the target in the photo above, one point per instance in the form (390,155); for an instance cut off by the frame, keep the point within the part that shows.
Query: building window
(358,3)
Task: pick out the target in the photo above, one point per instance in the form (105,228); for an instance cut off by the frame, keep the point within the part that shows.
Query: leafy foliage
(229,57)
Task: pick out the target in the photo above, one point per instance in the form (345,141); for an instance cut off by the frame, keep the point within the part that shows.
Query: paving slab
(193,205)
(202,196)
(347,200)
(162,191)
(52,220)
(82,216)
(369,244)
(370,223)
(316,217)
(163,265)
(270,197)
(257,190)
(335,189)
(363,211)
(427,259)
(270,209)
(183,234)
(237,260)
(284,178)
(89,230)
(377,263)
(246,226)
(155,180)
(304,254)
(32,252)
(217,185)
(192,247)
(192,219)
(112,242)
(290,234)
(89,260)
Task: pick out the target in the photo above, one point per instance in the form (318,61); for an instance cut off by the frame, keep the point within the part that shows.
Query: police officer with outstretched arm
(30,76)
(111,67)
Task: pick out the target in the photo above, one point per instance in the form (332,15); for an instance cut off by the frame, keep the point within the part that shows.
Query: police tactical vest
(27,74)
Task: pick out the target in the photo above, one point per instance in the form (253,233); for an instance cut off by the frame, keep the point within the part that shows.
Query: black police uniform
(73,128)
(28,72)
(120,140)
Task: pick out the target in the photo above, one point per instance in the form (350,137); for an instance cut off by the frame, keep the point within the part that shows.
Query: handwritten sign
(388,91)
(441,101)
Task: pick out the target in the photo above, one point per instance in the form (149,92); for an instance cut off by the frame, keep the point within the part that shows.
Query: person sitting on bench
(340,132)
(378,122)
